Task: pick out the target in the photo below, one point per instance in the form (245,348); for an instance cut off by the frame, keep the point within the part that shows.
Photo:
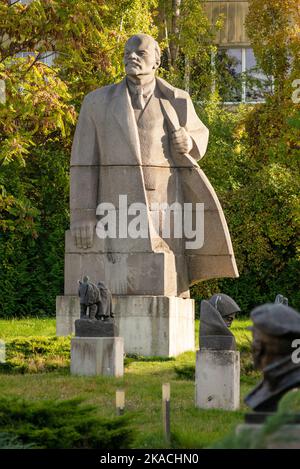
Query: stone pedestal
(150,325)
(217,379)
(91,356)
(127,266)
(285,437)
(95,328)
(67,311)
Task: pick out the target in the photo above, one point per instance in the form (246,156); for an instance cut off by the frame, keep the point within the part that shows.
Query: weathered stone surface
(217,379)
(150,326)
(97,356)
(67,311)
(155,325)
(129,273)
(95,328)
(217,342)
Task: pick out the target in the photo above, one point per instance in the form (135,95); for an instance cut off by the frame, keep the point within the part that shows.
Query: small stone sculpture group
(95,300)
(96,316)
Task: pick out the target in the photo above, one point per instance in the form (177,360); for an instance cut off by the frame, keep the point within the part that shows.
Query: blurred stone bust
(275,328)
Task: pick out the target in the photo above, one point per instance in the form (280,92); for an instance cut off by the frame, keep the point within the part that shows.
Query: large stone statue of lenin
(136,145)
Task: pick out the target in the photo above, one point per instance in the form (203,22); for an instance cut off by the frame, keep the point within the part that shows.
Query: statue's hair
(156,45)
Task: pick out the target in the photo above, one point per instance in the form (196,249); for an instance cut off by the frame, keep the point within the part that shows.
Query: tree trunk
(176,4)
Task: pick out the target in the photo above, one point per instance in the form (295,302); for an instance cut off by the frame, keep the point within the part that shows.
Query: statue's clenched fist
(181,141)
(83,234)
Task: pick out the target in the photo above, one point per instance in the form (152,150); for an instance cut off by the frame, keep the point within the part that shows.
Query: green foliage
(36,126)
(7,441)
(185,372)
(36,355)
(271,431)
(253,164)
(27,327)
(142,384)
(31,246)
(273,28)
(62,425)
(187,44)
(135,357)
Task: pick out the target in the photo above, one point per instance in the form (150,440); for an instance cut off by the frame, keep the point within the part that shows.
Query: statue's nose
(133,55)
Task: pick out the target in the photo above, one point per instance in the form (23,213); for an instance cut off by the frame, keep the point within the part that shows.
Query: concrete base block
(150,325)
(217,379)
(91,356)
(285,437)
(67,311)
(156,325)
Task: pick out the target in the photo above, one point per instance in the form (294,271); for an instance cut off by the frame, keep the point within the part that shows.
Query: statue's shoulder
(171,91)
(99,94)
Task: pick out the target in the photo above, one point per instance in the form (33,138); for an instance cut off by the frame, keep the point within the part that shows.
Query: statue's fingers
(83,237)
(88,237)
(179,138)
(78,238)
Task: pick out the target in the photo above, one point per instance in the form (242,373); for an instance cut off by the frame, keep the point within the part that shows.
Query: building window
(47,57)
(239,79)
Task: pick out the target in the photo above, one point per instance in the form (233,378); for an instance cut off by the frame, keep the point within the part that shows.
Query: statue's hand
(181,141)
(83,234)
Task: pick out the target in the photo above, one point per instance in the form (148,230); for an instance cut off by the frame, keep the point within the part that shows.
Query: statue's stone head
(275,326)
(281,299)
(226,306)
(141,55)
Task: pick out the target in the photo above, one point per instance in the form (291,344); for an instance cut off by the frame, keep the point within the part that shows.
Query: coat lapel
(122,111)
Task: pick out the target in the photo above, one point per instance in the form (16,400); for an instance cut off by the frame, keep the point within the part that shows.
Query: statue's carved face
(140,57)
(229,319)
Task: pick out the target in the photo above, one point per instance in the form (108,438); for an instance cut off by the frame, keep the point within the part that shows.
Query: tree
(253,162)
(187,41)
(36,127)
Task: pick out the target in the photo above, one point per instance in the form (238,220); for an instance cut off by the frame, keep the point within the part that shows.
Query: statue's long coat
(106,142)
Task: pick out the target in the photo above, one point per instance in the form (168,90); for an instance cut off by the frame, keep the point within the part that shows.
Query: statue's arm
(84,175)
(197,131)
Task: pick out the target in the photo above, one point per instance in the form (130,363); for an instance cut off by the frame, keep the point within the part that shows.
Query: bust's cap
(276,319)
(224,304)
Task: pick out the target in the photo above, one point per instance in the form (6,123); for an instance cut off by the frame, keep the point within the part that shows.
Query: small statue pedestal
(150,325)
(94,355)
(217,379)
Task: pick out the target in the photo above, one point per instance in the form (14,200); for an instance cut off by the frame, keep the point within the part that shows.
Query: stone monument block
(150,325)
(67,311)
(92,356)
(155,325)
(218,379)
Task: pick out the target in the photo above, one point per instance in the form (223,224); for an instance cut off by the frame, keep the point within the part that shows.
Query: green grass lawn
(26,327)
(192,428)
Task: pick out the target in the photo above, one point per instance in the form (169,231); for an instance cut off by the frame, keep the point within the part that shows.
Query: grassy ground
(192,428)
(26,328)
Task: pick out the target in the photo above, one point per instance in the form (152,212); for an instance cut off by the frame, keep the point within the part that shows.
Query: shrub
(62,424)
(8,441)
(36,354)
